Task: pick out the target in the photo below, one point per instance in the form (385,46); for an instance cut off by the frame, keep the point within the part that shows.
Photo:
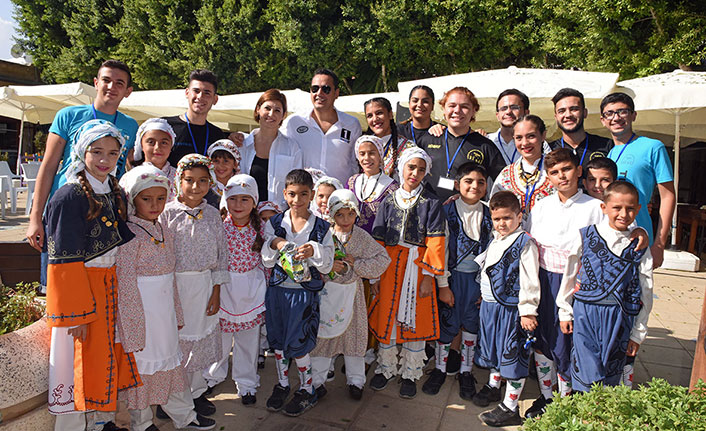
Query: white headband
(240,184)
(377,142)
(413,153)
(330,181)
(151,124)
(141,178)
(225,145)
(342,198)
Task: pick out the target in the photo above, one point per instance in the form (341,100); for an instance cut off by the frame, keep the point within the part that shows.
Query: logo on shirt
(346,135)
(596,154)
(475,156)
(434,146)
(302,129)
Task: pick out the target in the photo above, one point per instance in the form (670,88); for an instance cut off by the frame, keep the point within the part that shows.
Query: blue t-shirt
(66,124)
(645,163)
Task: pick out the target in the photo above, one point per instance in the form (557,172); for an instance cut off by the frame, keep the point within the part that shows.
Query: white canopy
(354,104)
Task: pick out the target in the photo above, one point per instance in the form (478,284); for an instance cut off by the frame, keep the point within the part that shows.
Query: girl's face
(420,105)
(240,207)
(322,194)
(413,173)
(149,203)
(102,156)
(266,214)
(379,119)
(459,110)
(156,144)
(528,140)
(195,183)
(271,114)
(369,158)
(224,167)
(344,219)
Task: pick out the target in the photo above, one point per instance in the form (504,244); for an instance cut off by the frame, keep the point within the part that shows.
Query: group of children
(155,281)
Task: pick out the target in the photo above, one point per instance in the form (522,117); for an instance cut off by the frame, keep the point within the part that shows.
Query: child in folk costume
(343,327)
(303,243)
(323,188)
(508,313)
(201,267)
(85,223)
(154,141)
(243,298)
(225,156)
(411,225)
(149,308)
(266,209)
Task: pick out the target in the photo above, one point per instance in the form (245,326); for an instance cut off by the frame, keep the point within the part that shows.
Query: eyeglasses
(622,113)
(325,88)
(511,107)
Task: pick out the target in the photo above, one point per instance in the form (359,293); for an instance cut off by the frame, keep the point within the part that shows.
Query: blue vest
(460,245)
(317,234)
(605,274)
(505,274)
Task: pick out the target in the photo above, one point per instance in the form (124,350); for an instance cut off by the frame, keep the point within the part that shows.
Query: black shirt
(258,170)
(410,132)
(598,146)
(183,144)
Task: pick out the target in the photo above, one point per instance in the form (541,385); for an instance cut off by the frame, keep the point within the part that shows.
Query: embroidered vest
(505,274)
(460,245)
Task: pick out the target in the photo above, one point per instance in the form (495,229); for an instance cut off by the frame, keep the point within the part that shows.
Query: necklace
(365,183)
(528,178)
(155,241)
(197,216)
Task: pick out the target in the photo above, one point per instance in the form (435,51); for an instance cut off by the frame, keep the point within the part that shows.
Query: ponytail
(94,207)
(256,223)
(118,198)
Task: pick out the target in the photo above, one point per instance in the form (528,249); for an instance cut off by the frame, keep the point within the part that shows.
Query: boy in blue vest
(605,296)
(469,230)
(292,308)
(510,290)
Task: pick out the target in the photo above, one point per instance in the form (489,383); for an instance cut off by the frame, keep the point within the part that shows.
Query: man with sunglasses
(325,135)
(645,163)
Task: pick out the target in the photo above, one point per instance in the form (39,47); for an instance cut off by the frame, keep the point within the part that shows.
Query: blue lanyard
(411,130)
(584,149)
(502,148)
(451,163)
(95,115)
(387,146)
(528,193)
(624,147)
(193,141)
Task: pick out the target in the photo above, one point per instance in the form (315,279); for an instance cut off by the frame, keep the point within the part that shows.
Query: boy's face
(298,196)
(322,194)
(621,210)
(617,117)
(201,96)
(596,181)
(505,220)
(472,187)
(111,85)
(564,176)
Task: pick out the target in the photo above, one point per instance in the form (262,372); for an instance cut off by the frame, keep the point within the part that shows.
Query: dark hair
(117,64)
(256,224)
(425,88)
(204,75)
(620,186)
(94,205)
(327,72)
(465,91)
(469,167)
(222,153)
(505,199)
(558,156)
(618,98)
(513,92)
(299,177)
(393,131)
(537,121)
(568,92)
(602,163)
(272,94)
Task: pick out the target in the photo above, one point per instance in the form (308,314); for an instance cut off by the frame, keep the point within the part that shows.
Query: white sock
(282,368)
(545,370)
(494,379)
(305,374)
(512,393)
(564,385)
(442,355)
(468,350)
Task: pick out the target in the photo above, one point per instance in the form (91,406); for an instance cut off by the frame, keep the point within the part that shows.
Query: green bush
(19,306)
(656,406)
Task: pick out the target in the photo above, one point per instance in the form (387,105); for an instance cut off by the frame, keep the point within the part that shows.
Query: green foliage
(654,406)
(40,142)
(5,156)
(19,306)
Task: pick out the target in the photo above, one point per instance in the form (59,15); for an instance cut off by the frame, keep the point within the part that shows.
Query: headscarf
(240,184)
(190,161)
(315,174)
(268,206)
(141,178)
(225,145)
(377,142)
(331,181)
(413,153)
(89,132)
(342,198)
(151,124)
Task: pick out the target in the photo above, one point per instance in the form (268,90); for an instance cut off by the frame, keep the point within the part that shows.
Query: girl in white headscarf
(153,144)
(323,188)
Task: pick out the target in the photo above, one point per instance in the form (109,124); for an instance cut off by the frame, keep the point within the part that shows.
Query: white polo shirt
(333,151)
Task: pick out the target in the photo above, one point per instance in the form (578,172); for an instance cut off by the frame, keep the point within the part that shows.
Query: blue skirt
(292,320)
(501,341)
(553,343)
(464,314)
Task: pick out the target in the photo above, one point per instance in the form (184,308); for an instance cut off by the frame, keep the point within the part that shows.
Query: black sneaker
(209,390)
(408,389)
(378,382)
(466,385)
(453,362)
(300,402)
(330,376)
(203,406)
(501,416)
(110,426)
(248,399)
(278,397)
(161,414)
(355,392)
(434,382)
(429,351)
(321,392)
(487,395)
(538,407)
(261,362)
(201,423)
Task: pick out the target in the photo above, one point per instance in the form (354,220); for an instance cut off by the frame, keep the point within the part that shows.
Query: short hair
(603,163)
(204,75)
(465,91)
(299,177)
(618,98)
(467,168)
(513,92)
(558,156)
(505,199)
(620,186)
(568,92)
(222,153)
(117,64)
(429,91)
(537,121)
(272,94)
(327,72)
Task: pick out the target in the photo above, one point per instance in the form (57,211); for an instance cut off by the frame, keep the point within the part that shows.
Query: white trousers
(197,383)
(245,348)
(179,407)
(410,363)
(83,421)
(355,370)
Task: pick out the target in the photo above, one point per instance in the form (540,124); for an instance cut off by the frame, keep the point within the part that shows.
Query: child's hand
(350,260)
(642,239)
(633,347)
(304,252)
(375,288)
(446,296)
(426,287)
(80,332)
(214,303)
(278,243)
(567,327)
(528,323)
(478,302)
(338,266)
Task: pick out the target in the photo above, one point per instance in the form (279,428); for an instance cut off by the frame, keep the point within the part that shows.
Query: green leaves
(19,306)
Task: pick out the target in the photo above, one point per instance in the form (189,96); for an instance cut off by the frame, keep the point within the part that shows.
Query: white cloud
(7,30)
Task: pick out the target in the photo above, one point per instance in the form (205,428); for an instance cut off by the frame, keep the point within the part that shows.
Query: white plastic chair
(7,177)
(29,176)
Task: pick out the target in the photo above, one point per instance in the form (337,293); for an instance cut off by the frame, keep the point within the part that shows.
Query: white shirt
(369,188)
(471,218)
(617,241)
(331,152)
(508,149)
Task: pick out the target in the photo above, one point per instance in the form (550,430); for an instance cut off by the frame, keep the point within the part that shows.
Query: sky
(7,24)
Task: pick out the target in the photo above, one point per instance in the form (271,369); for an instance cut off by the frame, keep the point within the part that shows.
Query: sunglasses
(325,88)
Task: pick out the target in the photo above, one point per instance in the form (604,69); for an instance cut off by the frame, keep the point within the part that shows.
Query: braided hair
(256,223)
(94,205)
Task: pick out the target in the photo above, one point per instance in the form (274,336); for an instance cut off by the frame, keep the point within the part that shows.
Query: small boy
(292,315)
(510,290)
(600,172)
(610,286)
(469,229)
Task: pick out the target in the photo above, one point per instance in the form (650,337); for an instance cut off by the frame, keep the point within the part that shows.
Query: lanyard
(528,193)
(193,141)
(387,146)
(502,148)
(584,149)
(624,147)
(450,163)
(411,130)
(95,115)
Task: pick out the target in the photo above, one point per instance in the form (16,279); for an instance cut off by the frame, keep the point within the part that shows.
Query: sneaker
(453,362)
(538,407)
(355,392)
(330,376)
(161,414)
(321,392)
(301,402)
(466,386)
(378,382)
(434,382)
(261,362)
(487,395)
(278,397)
(201,423)
(248,399)
(429,351)
(110,426)
(408,389)
(501,416)
(203,406)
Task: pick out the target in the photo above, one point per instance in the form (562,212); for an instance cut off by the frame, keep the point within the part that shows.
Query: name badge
(446,183)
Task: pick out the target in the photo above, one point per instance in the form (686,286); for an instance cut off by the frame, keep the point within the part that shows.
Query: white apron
(243,299)
(336,308)
(195,288)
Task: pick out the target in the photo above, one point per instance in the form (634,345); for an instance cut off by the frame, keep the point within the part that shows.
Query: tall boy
(469,229)
(292,309)
(508,313)
(613,298)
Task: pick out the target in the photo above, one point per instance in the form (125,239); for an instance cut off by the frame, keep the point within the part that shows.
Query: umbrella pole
(677,139)
(19,148)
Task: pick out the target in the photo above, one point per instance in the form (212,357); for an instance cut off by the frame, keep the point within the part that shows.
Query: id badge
(446,183)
